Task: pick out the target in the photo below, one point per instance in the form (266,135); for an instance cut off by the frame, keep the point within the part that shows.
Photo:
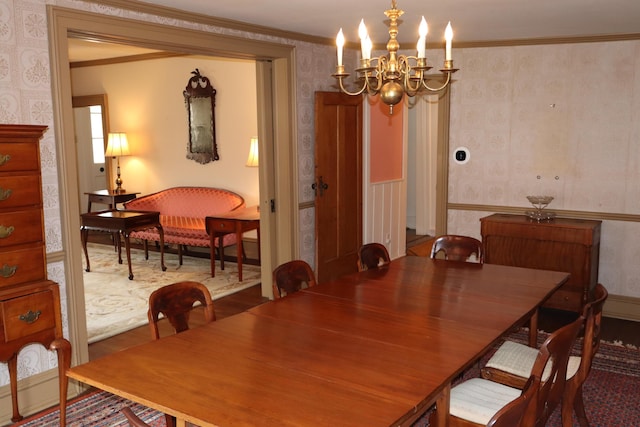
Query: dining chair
(512,362)
(175,302)
(372,255)
(475,402)
(292,276)
(134,420)
(458,248)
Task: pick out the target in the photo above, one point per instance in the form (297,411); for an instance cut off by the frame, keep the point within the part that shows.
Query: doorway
(271,132)
(91,124)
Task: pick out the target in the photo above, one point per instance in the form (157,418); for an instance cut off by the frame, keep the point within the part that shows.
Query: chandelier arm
(358,92)
(444,85)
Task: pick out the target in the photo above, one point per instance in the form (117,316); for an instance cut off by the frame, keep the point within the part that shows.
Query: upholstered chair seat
(478,400)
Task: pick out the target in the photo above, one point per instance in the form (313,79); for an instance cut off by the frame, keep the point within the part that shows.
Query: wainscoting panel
(386,223)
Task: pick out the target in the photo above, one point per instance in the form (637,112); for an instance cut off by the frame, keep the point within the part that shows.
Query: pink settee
(182,215)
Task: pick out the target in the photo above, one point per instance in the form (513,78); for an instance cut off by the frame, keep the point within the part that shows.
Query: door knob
(321,186)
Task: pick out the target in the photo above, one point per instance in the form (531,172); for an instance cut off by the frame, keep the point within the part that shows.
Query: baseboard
(622,307)
(35,393)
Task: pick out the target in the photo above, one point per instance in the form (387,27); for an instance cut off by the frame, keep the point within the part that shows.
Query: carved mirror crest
(200,100)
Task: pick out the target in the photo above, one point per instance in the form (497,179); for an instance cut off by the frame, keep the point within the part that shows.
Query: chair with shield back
(372,255)
(458,248)
(513,361)
(292,276)
(476,401)
(175,302)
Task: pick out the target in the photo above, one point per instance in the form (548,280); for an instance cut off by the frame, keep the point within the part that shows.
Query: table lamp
(117,146)
(252,161)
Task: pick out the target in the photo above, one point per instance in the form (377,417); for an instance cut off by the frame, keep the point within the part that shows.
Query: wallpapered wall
(25,97)
(568,113)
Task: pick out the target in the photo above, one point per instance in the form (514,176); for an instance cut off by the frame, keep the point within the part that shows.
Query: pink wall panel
(386,141)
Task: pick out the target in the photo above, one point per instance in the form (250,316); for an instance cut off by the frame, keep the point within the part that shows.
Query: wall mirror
(200,100)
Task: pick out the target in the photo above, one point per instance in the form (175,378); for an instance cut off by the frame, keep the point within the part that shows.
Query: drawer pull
(8,270)
(6,231)
(4,159)
(30,316)
(4,194)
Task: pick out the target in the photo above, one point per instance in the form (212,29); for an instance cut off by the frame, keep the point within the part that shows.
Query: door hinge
(272,203)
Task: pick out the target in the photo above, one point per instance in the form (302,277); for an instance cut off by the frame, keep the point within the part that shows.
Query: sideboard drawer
(24,265)
(21,227)
(27,315)
(16,191)
(20,156)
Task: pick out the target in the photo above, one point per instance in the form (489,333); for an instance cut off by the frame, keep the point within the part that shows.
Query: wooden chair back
(372,255)
(550,371)
(292,276)
(458,248)
(573,401)
(175,302)
(134,420)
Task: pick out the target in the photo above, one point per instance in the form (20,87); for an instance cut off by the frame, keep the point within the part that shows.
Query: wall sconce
(252,161)
(117,146)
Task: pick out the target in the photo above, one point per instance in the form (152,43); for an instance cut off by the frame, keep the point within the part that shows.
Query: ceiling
(472,20)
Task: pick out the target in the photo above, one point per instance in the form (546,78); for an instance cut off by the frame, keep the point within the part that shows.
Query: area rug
(95,409)
(612,398)
(115,304)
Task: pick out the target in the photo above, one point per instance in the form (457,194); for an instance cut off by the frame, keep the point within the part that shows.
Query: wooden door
(338,183)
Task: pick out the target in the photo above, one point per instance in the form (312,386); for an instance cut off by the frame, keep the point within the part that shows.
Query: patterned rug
(612,397)
(115,304)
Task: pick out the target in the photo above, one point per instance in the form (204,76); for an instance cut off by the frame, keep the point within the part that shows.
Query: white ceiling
(472,20)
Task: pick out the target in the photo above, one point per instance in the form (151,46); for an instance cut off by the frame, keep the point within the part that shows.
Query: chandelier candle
(392,76)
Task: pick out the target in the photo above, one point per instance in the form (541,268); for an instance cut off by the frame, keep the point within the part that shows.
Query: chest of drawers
(563,244)
(29,303)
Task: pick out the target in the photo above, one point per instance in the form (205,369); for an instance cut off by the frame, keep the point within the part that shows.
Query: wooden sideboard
(29,303)
(562,244)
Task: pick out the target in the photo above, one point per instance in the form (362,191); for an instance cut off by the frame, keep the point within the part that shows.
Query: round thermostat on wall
(461,155)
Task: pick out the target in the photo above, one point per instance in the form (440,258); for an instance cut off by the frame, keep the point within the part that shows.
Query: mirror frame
(200,101)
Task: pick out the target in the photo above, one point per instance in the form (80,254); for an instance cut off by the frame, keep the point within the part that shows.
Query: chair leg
(170,420)
(146,249)
(180,254)
(578,407)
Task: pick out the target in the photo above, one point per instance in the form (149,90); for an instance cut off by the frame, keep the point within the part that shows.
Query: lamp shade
(117,145)
(253,153)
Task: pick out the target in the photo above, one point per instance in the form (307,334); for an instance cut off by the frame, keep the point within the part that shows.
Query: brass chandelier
(393,75)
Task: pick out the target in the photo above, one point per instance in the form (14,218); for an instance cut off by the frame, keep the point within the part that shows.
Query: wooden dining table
(373,348)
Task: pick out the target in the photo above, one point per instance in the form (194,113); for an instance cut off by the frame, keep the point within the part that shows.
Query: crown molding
(169,12)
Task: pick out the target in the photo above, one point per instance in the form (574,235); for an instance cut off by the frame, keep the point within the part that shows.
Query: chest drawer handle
(4,159)
(4,194)
(6,231)
(8,270)
(30,316)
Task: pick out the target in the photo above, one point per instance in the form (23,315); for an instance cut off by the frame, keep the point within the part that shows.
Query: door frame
(279,135)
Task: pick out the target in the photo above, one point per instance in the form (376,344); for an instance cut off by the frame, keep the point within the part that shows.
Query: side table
(122,222)
(109,197)
(237,221)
